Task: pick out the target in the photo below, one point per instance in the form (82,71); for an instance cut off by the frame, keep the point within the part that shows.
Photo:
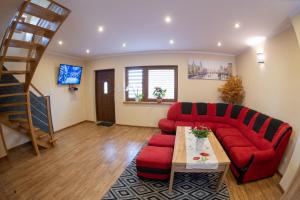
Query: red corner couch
(254,142)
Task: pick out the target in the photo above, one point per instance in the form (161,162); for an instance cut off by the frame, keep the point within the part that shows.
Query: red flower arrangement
(201,131)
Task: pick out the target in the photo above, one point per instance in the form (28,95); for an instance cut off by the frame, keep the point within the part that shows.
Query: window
(105,87)
(134,82)
(143,80)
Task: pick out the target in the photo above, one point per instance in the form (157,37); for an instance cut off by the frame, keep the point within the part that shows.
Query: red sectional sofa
(254,142)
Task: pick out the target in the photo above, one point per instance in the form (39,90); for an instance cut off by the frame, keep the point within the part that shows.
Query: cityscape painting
(209,70)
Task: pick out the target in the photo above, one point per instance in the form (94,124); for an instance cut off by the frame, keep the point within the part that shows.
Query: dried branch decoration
(233,91)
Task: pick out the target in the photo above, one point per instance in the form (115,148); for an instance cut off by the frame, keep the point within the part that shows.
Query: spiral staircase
(22,105)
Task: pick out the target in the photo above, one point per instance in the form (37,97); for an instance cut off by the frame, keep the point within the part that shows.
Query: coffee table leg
(221,180)
(171,180)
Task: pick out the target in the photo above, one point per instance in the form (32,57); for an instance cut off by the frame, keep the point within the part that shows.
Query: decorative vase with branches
(233,91)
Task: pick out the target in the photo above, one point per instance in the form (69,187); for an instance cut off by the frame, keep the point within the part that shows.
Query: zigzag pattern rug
(187,186)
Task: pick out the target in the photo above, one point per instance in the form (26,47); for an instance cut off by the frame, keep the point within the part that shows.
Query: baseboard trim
(281,189)
(84,121)
(279,186)
(90,121)
(278,172)
(136,125)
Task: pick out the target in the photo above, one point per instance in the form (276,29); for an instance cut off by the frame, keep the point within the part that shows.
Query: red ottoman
(154,162)
(167,126)
(161,140)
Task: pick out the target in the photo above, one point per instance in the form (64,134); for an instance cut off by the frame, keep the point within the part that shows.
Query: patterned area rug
(187,186)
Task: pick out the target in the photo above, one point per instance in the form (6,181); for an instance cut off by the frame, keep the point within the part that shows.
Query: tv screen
(69,74)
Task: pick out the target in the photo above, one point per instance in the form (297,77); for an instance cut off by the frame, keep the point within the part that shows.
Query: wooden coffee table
(179,157)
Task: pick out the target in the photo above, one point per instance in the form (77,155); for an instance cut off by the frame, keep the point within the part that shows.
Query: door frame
(96,102)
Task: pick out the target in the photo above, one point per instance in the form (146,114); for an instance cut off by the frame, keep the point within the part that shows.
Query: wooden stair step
(13,95)
(14,112)
(20,120)
(41,134)
(15,72)
(26,127)
(30,28)
(17,59)
(11,84)
(22,44)
(52,141)
(43,143)
(43,13)
(12,104)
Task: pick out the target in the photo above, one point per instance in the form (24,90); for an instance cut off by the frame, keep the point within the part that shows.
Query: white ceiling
(197,25)
(8,9)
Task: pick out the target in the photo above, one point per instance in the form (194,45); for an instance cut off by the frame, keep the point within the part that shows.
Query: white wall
(294,164)
(8,9)
(296,25)
(273,88)
(67,107)
(148,115)
(13,138)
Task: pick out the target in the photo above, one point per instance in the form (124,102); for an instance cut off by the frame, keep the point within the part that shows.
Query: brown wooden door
(105,95)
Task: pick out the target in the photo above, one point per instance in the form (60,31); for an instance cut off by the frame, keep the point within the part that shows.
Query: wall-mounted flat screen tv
(69,74)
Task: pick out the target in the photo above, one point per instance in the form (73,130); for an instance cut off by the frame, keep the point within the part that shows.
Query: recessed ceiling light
(219,44)
(168,19)
(237,25)
(171,41)
(100,29)
(124,45)
(60,42)
(87,51)
(253,41)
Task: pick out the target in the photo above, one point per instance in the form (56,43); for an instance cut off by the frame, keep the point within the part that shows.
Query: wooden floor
(87,161)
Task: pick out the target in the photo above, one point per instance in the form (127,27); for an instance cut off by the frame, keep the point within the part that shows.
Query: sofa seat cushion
(154,162)
(262,143)
(161,140)
(167,125)
(183,123)
(223,132)
(221,125)
(235,141)
(241,156)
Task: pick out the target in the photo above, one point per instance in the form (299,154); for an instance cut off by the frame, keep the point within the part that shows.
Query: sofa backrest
(258,126)
(264,131)
(181,111)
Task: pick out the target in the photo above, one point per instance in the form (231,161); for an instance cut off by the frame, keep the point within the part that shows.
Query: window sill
(148,103)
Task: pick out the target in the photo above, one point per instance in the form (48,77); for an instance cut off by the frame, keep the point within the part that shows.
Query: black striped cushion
(236,109)
(259,122)
(272,129)
(186,108)
(249,116)
(153,170)
(221,109)
(202,108)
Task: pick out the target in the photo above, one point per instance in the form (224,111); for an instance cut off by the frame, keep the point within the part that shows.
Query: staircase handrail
(48,108)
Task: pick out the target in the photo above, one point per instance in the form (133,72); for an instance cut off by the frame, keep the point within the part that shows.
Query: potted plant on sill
(138,94)
(159,93)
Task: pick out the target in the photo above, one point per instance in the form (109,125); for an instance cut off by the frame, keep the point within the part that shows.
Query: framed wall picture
(209,70)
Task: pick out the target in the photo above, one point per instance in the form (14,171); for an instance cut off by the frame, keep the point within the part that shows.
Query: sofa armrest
(264,155)
(167,125)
